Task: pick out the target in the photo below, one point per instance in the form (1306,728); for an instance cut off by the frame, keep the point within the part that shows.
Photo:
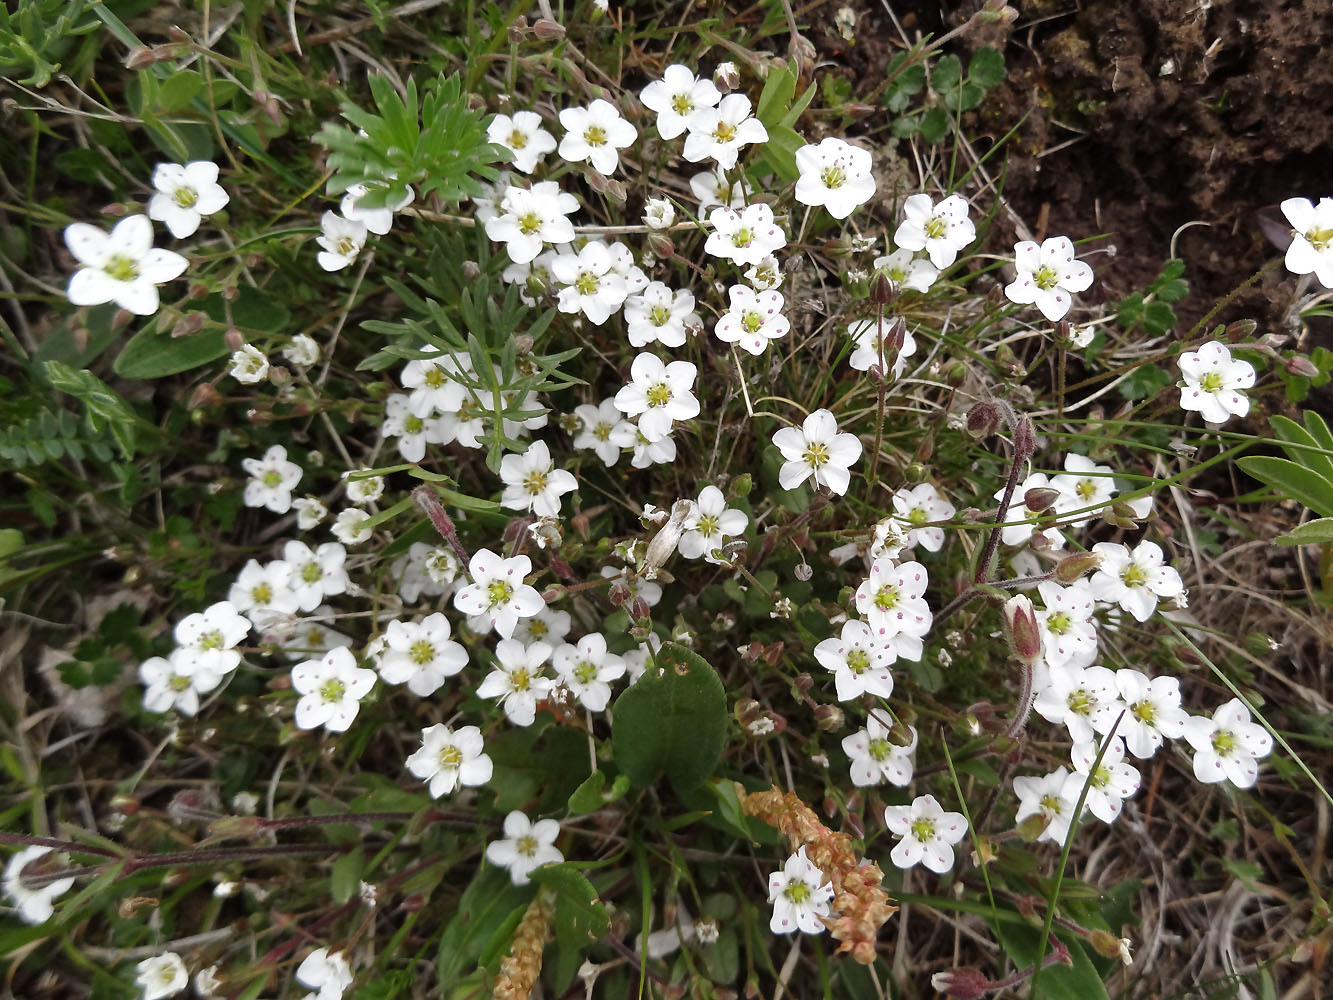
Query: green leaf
(251,310)
(671,721)
(1309,450)
(1291,480)
(776,96)
(1158,318)
(1318,532)
(588,796)
(935,125)
(1130,310)
(1246,872)
(152,355)
(580,916)
(780,152)
(486,904)
(1144,382)
(178,90)
(986,68)
(104,407)
(346,876)
(1057,982)
(947,74)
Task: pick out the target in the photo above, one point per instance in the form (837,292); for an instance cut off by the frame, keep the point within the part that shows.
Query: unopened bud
(234,339)
(204,396)
(996,297)
(984,419)
(726,77)
(1040,498)
(230,293)
(615,190)
(596,180)
(187,325)
(121,319)
(471,270)
(829,718)
(742,484)
(964,984)
(1021,628)
(1299,364)
(1064,333)
(1033,827)
(996,12)
(547,30)
(141,58)
(1025,439)
(518,30)
(1072,568)
(660,245)
(1240,330)
(117,210)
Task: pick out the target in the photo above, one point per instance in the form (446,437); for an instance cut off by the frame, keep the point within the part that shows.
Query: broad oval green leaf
(1318,532)
(154,355)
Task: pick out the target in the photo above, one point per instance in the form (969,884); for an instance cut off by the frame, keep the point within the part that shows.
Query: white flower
(420,654)
(709,525)
(711,187)
(549,626)
(206,982)
(342,239)
(533,483)
(272,479)
(1152,712)
(890,599)
(304,638)
(859,660)
(1018,532)
(657,313)
(176,682)
(185,194)
(872,346)
(941,230)
(325,971)
(659,394)
(817,450)
(658,213)
(648,453)
(1212,382)
(677,97)
(248,365)
(589,283)
(1227,746)
(1084,699)
(302,351)
(498,593)
(1045,797)
(162,976)
(376,220)
(1068,636)
(596,133)
(364,490)
(315,574)
(752,319)
(587,669)
(448,759)
(1047,275)
(34,905)
(906,270)
(876,758)
(433,382)
(261,592)
(530,219)
(928,833)
(121,266)
(332,690)
(746,236)
(720,132)
(603,429)
(918,506)
(1311,248)
(309,512)
(523,135)
(208,636)
(800,895)
(1083,484)
(527,846)
(834,174)
(1134,580)
(1108,784)
(412,431)
(766,275)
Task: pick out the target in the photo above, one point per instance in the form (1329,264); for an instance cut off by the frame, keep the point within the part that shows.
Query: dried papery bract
(860,905)
(521,967)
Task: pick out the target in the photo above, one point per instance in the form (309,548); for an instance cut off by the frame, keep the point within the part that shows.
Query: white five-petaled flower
(448,759)
(529,219)
(176,682)
(1311,247)
(744,236)
(1109,783)
(315,574)
(834,174)
(1212,383)
(800,895)
(709,524)
(890,599)
(1152,711)
(859,660)
(589,282)
(185,194)
(1045,797)
(1134,580)
(526,847)
(1228,746)
(376,220)
(587,670)
(325,971)
(659,394)
(121,266)
(272,479)
(249,365)
(161,976)
(413,432)
(1048,275)
(420,654)
(941,230)
(928,833)
(1084,699)
(817,450)
(1083,484)
(34,905)
(765,276)
(263,591)
(720,132)
(657,313)
(752,319)
(596,133)
(875,758)
(208,636)
(918,506)
(342,240)
(872,346)
(906,270)
(497,596)
(604,430)
(523,135)
(677,97)
(1068,636)
(711,187)
(517,681)
(549,626)
(533,483)
(331,689)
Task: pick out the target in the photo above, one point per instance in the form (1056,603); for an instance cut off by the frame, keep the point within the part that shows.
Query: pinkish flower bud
(547,30)
(965,984)
(1021,628)
(1040,498)
(726,77)
(1299,364)
(1072,568)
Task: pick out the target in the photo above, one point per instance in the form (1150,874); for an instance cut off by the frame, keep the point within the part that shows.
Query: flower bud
(660,245)
(1025,439)
(1064,333)
(1072,568)
(1240,330)
(658,213)
(234,339)
(547,30)
(1021,628)
(1040,498)
(726,77)
(965,984)
(984,419)
(518,30)
(1108,945)
(615,190)
(829,718)
(141,58)
(121,319)
(189,324)
(882,289)
(1299,364)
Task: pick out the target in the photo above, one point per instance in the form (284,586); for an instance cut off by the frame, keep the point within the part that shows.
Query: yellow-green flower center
(923,829)
(1046,277)
(526,845)
(752,321)
(1079,701)
(346,247)
(724,132)
(1320,239)
(858,661)
(1145,711)
(535,483)
(517,139)
(586,283)
(178,682)
(529,223)
(1086,489)
(1058,623)
(186,197)
(498,592)
(1133,576)
(211,640)
(585,672)
(451,758)
(1212,382)
(681,104)
(659,315)
(272,479)
(879,749)
(595,135)
(797,892)
(421,652)
(312,572)
(121,268)
(261,593)
(708,525)
(833,177)
(333,690)
(886,598)
(918,515)
(658,394)
(935,227)
(742,237)
(412,424)
(816,454)
(1224,743)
